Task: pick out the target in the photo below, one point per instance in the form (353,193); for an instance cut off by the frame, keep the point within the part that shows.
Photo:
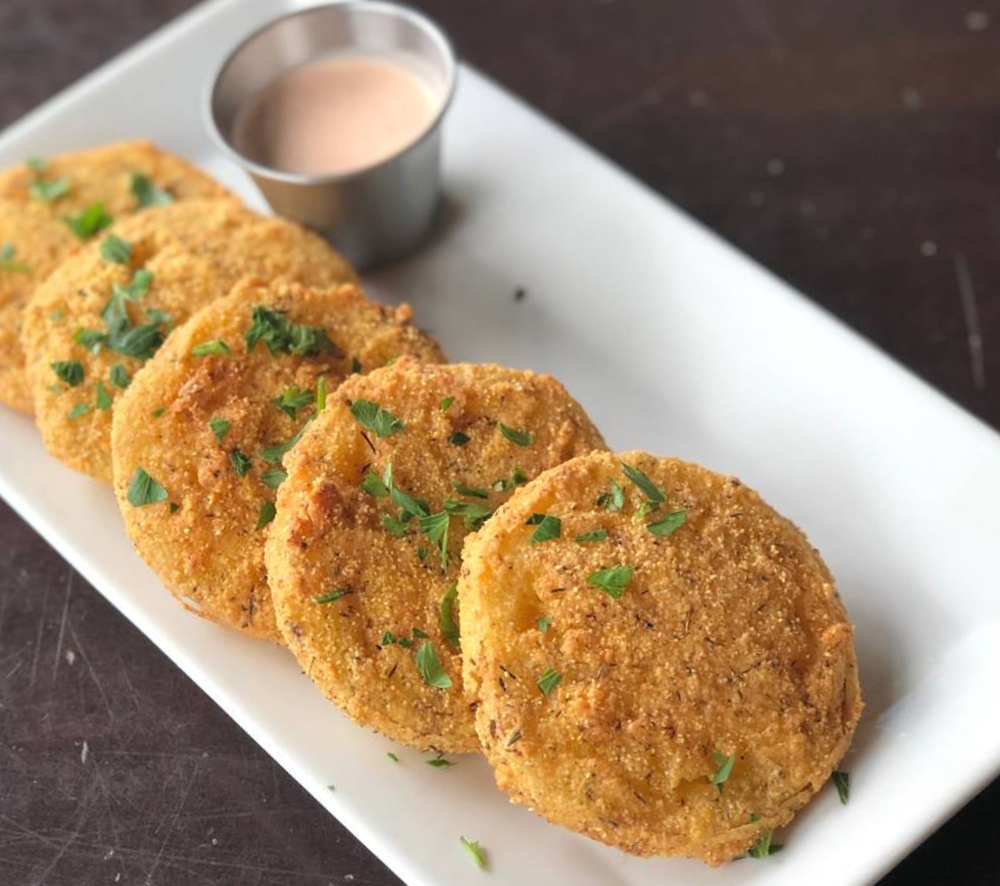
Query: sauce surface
(335,115)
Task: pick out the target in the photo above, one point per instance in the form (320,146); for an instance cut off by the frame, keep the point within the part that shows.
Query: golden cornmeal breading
(390,572)
(728,640)
(196,252)
(33,248)
(41,239)
(206,542)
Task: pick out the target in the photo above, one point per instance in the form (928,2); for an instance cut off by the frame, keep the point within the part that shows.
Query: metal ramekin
(373,215)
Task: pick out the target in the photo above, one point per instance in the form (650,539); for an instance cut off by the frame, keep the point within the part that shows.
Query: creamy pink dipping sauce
(336,115)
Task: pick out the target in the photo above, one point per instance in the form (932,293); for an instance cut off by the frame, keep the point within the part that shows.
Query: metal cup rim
(223,143)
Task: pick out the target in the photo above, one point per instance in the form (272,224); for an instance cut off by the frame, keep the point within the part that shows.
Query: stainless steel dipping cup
(373,215)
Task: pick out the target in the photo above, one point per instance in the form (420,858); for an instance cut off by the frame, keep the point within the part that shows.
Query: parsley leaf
(241,464)
(373,485)
(549,680)
(321,394)
(141,341)
(69,372)
(91,339)
(220,427)
(763,847)
(392,756)
(517,478)
(292,400)
(281,336)
(393,526)
(458,438)
(430,667)
(49,192)
(332,596)
(77,411)
(91,221)
(439,762)
(474,851)
(842,781)
(449,627)
(116,250)
(593,535)
(520,438)
(104,400)
(7,263)
(652,492)
(206,348)
(472,513)
(266,515)
(724,768)
(446,403)
(612,580)
(548,528)
(435,527)
(470,491)
(274,454)
(147,194)
(144,490)
(118,374)
(669,524)
(544,623)
(273,478)
(613,500)
(373,417)
(37,164)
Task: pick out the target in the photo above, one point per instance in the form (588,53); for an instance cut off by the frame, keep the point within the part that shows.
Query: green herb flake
(146,194)
(449,625)
(548,528)
(614,500)
(332,596)
(158,412)
(91,221)
(842,781)
(78,411)
(446,403)
(144,490)
(267,513)
(376,419)
(241,464)
(612,580)
(593,535)
(119,376)
(429,666)
(140,342)
(37,164)
(435,527)
(49,192)
(116,250)
(724,768)
(474,851)
(281,336)
(439,762)
(321,394)
(273,478)
(669,524)
(517,478)
(472,513)
(544,623)
(7,262)
(69,372)
(208,348)
(520,438)
(394,526)
(274,454)
(174,507)
(392,756)
(458,438)
(355,366)
(104,400)
(764,847)
(220,427)
(654,495)
(548,681)
(372,484)
(292,400)
(470,491)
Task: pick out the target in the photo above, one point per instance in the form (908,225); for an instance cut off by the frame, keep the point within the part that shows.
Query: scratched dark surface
(853,147)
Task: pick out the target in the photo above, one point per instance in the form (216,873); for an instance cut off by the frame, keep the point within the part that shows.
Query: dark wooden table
(851,146)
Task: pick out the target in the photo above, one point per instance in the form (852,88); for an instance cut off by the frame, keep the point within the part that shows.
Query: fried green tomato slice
(42,223)
(210,417)
(672,673)
(365,550)
(109,308)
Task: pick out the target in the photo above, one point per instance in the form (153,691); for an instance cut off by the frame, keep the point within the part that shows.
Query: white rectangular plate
(675,343)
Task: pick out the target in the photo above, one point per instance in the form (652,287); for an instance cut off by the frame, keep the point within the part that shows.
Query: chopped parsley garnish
(517,478)
(241,464)
(446,403)
(654,495)
(439,762)
(174,507)
(116,250)
(474,851)
(140,342)
(430,667)
(37,164)
(544,623)
(549,680)
(390,639)
(292,400)
(158,412)
(119,375)
(69,372)
(842,781)
(411,507)
(612,580)
(321,393)
(104,400)
(373,485)
(147,194)
(520,438)
(332,596)
(669,524)
(220,427)
(548,528)
(144,490)
(91,221)
(613,500)
(91,339)
(7,262)
(394,526)
(724,768)
(355,366)
(206,348)
(435,527)
(472,513)
(763,847)
(593,535)
(267,513)
(373,417)
(392,756)
(281,336)
(273,478)
(49,192)
(458,438)
(470,491)
(449,626)
(274,454)
(77,411)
